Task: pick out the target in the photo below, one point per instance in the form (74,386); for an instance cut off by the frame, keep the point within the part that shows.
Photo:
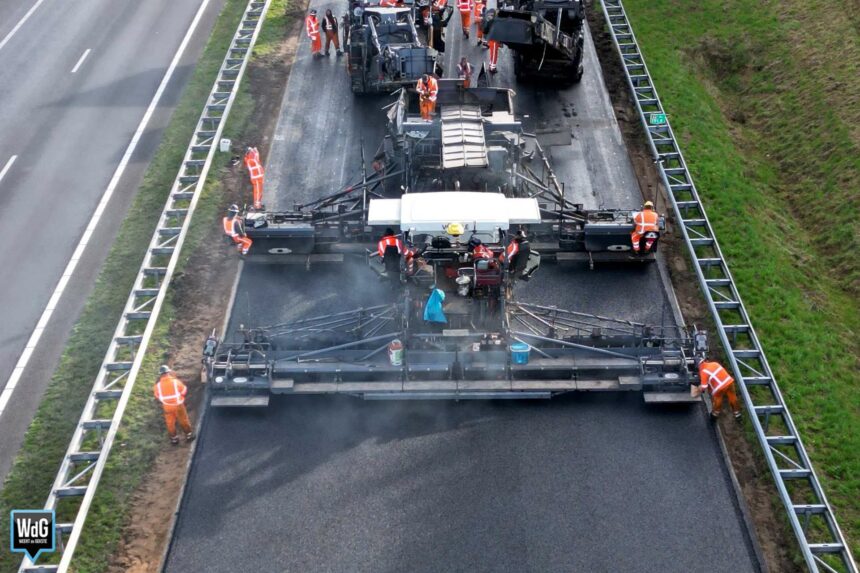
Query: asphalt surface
(69,131)
(579,483)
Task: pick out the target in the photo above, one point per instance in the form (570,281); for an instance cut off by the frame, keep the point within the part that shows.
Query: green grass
(141,435)
(763,97)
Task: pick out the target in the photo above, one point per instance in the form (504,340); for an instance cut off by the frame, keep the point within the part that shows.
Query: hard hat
(163,369)
(233,208)
(455,229)
(313,11)
(520,235)
(649,205)
(389,231)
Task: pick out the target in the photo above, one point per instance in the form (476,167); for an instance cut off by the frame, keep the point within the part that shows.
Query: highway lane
(69,132)
(579,483)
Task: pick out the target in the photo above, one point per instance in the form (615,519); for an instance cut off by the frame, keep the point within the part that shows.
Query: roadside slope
(763,96)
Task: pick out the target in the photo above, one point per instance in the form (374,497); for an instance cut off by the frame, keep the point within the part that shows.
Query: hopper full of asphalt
(597,482)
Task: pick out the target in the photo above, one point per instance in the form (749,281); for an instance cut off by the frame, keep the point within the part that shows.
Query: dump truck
(546,37)
(384,50)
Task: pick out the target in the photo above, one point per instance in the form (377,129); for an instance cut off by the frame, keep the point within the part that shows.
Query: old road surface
(76,80)
(579,483)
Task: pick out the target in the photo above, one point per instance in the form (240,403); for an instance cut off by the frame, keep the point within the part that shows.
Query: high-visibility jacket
(252,162)
(714,377)
(512,249)
(389,241)
(312,26)
(428,91)
(170,390)
(465,6)
(387,3)
(231,226)
(646,221)
(482,252)
(479,9)
(440,5)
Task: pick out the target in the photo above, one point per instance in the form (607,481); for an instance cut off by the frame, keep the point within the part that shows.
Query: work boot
(715,416)
(174,440)
(480,42)
(189,437)
(738,415)
(340,52)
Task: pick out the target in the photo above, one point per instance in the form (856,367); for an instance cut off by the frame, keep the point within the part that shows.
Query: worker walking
(427,89)
(480,6)
(255,172)
(170,392)
(465,7)
(329,26)
(233,229)
(715,379)
(312,27)
(644,221)
(494,55)
(464,72)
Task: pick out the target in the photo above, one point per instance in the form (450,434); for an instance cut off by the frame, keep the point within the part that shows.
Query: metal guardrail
(85,459)
(821,541)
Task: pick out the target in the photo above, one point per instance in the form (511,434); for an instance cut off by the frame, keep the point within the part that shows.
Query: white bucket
(224,145)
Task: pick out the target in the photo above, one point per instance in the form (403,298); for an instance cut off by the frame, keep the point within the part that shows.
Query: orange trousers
(717,400)
(331,36)
(244,243)
(635,238)
(479,31)
(173,414)
(316,44)
(257,184)
(428,106)
(494,54)
(466,19)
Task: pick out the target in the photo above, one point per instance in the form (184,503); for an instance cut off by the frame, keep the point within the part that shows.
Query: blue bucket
(520,353)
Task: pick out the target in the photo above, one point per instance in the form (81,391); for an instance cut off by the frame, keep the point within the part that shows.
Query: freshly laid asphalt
(596,482)
(69,131)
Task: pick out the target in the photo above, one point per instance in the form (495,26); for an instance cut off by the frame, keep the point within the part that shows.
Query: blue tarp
(433,308)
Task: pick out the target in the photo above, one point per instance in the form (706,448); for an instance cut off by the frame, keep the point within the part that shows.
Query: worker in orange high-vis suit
(494,55)
(427,88)
(170,392)
(390,248)
(644,221)
(312,27)
(465,8)
(255,172)
(464,72)
(715,379)
(233,229)
(479,20)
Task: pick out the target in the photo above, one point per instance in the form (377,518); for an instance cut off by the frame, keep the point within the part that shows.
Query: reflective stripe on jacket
(312,26)
(645,221)
(714,377)
(429,90)
(230,226)
(465,6)
(170,390)
(389,241)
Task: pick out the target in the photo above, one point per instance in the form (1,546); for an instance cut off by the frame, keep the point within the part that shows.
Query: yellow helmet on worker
(649,205)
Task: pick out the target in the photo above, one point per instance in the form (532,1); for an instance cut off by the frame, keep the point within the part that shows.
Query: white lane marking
(20,23)
(18,371)
(81,61)
(7,167)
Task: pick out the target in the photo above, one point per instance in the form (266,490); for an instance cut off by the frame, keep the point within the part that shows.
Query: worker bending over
(479,250)
(170,392)
(715,379)
(644,221)
(465,7)
(427,89)
(233,229)
(312,27)
(464,72)
(390,249)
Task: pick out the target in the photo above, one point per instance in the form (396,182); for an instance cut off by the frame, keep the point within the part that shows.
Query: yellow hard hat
(455,229)
(649,205)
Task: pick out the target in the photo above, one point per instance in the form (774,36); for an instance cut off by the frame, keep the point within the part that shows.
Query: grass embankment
(763,97)
(142,433)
